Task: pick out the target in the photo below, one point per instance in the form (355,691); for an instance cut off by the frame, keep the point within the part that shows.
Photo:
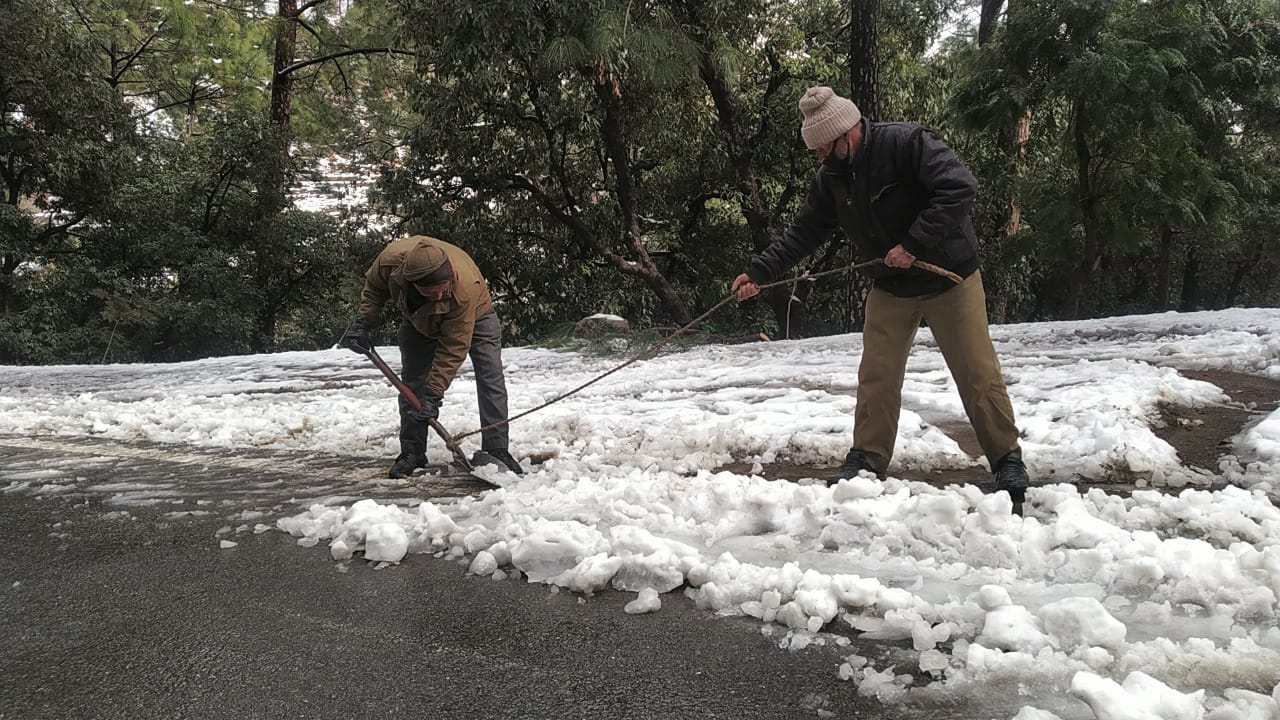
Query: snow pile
(1086,395)
(1152,605)
(1087,586)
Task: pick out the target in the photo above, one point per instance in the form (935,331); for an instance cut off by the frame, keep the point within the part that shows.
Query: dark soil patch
(1200,435)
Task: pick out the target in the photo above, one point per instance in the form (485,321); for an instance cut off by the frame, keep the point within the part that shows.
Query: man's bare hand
(744,287)
(898,257)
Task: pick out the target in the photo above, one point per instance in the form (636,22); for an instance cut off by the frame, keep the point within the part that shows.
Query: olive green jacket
(449,322)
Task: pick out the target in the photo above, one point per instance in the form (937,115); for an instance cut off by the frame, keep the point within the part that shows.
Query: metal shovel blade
(459,457)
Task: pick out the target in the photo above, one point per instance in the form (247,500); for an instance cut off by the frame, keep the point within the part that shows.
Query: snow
(1262,441)
(1159,604)
(1140,697)
(646,601)
(1082,622)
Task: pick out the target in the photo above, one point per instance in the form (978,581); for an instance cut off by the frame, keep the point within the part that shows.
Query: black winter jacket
(906,187)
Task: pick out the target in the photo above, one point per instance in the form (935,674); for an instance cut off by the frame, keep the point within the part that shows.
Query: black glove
(356,338)
(431,403)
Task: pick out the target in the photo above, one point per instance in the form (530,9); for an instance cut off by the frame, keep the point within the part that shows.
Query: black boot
(1011,476)
(854,462)
(405,464)
(504,456)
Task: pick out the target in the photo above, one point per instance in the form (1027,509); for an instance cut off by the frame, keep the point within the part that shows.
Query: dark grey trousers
(417,352)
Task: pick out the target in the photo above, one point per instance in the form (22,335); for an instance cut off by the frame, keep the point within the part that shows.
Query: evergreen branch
(182,101)
(307,6)
(346,83)
(695,209)
(615,146)
(307,26)
(788,194)
(51,230)
(580,230)
(778,77)
(247,10)
(344,53)
(133,57)
(557,158)
(88,25)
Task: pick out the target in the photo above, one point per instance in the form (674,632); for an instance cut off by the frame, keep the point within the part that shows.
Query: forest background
(605,156)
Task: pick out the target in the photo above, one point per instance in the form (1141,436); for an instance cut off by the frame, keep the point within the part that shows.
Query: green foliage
(125,241)
(570,145)
(1140,110)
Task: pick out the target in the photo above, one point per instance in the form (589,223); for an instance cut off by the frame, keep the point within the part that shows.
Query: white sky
(1161,605)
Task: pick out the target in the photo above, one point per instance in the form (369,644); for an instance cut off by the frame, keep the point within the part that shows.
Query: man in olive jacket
(900,194)
(448,314)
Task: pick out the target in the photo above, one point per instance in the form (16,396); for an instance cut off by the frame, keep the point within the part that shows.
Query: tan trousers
(958,319)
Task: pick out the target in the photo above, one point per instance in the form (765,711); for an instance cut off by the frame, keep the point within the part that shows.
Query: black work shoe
(855,461)
(504,456)
(1011,476)
(405,464)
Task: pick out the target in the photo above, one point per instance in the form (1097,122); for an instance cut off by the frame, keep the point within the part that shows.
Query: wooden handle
(937,271)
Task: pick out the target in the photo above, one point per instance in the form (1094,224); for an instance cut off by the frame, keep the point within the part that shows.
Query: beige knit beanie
(424,262)
(827,116)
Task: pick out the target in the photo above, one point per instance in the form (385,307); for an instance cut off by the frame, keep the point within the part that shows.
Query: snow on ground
(1158,605)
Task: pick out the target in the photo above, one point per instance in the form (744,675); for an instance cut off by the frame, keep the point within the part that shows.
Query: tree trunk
(193,92)
(614,135)
(273,185)
(1190,281)
(9,258)
(864,76)
(1014,145)
(1242,270)
(1089,216)
(1163,260)
(8,266)
(987,18)
(1013,142)
(754,209)
(864,56)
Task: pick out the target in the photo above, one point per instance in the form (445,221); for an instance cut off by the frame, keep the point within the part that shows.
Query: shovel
(459,457)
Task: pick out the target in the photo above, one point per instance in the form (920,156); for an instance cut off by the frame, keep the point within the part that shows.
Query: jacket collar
(864,148)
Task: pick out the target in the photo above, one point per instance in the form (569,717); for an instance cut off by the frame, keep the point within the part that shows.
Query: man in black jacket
(900,194)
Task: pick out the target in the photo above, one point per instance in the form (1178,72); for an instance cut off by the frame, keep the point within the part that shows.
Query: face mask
(838,164)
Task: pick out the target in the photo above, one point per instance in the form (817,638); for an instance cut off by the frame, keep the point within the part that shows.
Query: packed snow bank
(1182,588)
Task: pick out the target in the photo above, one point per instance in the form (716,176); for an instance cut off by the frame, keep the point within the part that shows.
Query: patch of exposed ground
(1200,435)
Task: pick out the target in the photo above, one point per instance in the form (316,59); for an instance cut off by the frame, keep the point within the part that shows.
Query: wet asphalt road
(116,601)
